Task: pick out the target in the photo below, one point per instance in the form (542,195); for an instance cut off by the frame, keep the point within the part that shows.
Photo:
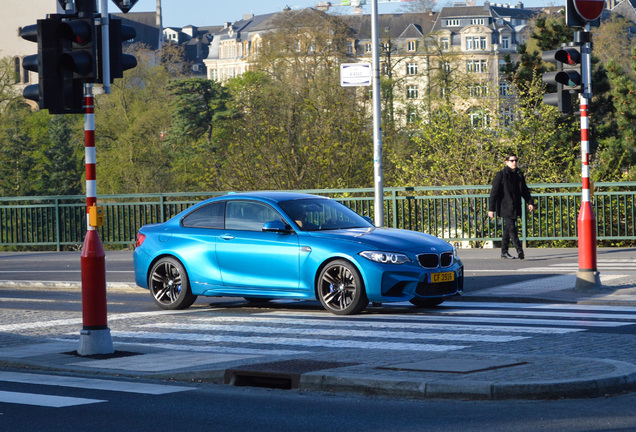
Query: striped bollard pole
(587,276)
(95,335)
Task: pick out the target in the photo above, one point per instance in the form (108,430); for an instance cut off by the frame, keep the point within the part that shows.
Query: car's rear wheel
(426,303)
(169,285)
(340,288)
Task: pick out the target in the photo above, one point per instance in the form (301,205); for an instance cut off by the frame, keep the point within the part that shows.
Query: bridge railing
(458,214)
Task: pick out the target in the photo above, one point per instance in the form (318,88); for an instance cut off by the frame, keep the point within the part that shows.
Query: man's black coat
(507,190)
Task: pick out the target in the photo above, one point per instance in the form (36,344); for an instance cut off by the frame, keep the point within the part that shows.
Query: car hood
(389,239)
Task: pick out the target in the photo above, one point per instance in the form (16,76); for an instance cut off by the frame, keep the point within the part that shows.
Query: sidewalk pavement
(453,374)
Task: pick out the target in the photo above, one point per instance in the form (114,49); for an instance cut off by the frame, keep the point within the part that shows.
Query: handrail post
(58,240)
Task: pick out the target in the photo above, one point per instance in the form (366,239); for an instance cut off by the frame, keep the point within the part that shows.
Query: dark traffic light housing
(69,56)
(119,62)
(567,78)
(47,93)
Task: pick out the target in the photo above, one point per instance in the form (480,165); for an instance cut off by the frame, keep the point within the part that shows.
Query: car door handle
(227,237)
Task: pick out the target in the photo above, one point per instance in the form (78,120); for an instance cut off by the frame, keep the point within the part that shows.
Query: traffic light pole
(588,275)
(95,335)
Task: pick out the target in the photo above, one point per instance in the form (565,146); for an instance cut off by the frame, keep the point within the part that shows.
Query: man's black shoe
(521,255)
(506,255)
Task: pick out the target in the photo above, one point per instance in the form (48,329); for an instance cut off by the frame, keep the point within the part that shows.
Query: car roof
(272,196)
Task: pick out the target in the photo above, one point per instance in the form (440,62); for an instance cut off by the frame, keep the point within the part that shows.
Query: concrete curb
(621,379)
(611,377)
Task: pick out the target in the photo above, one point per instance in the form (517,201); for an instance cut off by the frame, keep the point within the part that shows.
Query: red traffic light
(76,31)
(569,56)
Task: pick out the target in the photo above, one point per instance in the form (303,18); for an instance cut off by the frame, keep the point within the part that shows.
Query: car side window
(248,216)
(209,216)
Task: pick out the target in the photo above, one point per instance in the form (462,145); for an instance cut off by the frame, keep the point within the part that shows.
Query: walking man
(508,188)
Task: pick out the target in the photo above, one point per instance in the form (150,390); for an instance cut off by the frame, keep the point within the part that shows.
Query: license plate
(442,277)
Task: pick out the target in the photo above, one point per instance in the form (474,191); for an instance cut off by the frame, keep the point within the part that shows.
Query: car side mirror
(368,219)
(276,226)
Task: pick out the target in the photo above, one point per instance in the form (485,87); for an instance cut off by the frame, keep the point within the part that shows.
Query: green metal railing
(455,213)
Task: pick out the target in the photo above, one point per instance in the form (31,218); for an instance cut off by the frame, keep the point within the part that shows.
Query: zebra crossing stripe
(339,333)
(328,343)
(540,306)
(527,313)
(339,322)
(489,319)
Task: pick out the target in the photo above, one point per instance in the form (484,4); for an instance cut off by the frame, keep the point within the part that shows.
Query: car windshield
(317,214)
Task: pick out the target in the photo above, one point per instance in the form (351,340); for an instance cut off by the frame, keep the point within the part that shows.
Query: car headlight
(385,257)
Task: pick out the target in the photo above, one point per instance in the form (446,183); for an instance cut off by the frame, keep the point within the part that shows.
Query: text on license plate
(442,277)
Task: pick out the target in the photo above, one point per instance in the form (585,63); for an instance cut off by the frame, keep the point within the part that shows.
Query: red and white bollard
(95,335)
(588,275)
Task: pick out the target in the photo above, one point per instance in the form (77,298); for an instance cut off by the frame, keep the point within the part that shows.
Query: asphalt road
(483,267)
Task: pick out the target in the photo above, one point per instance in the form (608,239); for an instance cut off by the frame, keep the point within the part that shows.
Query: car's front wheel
(340,288)
(169,285)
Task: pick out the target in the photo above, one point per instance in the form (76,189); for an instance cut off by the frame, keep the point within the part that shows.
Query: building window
(505,89)
(411,115)
(386,46)
(506,116)
(477,21)
(214,75)
(478,90)
(452,23)
(444,44)
(476,43)
(412,92)
(16,70)
(479,118)
(411,68)
(410,46)
(476,66)
(384,68)
(505,42)
(367,48)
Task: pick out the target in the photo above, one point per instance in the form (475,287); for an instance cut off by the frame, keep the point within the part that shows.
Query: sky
(180,13)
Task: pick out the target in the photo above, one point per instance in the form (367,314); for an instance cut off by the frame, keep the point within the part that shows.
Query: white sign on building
(355,74)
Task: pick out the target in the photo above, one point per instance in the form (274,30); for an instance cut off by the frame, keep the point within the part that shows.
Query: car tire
(426,303)
(340,288)
(169,285)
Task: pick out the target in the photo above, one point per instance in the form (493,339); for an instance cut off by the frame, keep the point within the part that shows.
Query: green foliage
(288,124)
(130,124)
(296,127)
(63,161)
(616,156)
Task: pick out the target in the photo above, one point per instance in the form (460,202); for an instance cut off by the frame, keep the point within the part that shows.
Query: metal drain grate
(280,375)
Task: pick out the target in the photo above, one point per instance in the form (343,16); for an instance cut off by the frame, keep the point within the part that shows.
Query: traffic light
(77,60)
(79,48)
(119,62)
(567,78)
(66,59)
(47,92)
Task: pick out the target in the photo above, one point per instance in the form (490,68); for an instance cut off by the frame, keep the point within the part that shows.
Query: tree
(63,163)
(419,6)
(612,41)
(21,134)
(132,120)
(617,154)
(196,134)
(297,128)
(8,90)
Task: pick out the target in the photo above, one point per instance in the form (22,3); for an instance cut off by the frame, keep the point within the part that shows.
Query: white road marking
(90,383)
(48,401)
